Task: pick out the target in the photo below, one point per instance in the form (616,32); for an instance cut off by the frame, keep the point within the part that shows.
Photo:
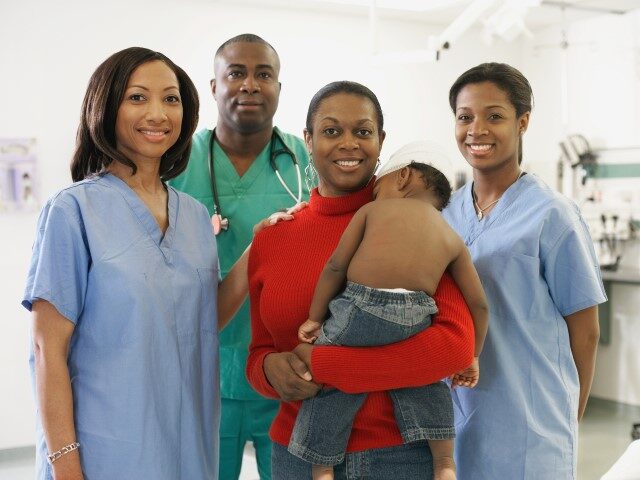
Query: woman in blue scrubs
(124,290)
(537,264)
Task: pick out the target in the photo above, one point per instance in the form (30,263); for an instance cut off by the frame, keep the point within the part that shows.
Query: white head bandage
(426,152)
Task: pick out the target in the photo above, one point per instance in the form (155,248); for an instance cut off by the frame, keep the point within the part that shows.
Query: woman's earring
(310,175)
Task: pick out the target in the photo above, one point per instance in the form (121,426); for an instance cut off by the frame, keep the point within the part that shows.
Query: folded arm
(274,374)
(431,355)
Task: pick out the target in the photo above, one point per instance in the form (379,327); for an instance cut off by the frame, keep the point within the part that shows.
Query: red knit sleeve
(261,341)
(433,354)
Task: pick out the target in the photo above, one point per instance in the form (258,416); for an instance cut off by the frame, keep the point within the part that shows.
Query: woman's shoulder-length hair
(96,138)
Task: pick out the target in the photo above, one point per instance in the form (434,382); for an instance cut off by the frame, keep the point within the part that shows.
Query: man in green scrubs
(246,90)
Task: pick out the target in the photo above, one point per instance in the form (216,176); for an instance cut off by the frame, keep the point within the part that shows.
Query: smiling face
(246,86)
(150,115)
(345,143)
(488,129)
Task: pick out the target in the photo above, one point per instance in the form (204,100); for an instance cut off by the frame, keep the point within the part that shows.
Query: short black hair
(343,86)
(245,38)
(96,138)
(436,180)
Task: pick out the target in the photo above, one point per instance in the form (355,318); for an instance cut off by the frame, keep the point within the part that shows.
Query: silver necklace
(481,210)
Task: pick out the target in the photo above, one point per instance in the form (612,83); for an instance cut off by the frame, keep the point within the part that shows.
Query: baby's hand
(468,377)
(309,331)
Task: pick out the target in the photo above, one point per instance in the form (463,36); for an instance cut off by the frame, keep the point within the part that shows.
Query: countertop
(622,275)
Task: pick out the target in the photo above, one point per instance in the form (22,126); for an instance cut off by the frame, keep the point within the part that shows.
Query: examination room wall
(48,51)
(601,102)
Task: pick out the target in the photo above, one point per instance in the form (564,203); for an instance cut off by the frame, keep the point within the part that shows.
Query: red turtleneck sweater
(284,264)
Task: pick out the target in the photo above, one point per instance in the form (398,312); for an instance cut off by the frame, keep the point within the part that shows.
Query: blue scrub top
(143,356)
(537,264)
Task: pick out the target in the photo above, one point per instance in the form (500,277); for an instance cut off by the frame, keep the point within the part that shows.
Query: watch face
(218,223)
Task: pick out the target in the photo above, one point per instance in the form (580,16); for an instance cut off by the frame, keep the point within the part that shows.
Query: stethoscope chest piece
(218,223)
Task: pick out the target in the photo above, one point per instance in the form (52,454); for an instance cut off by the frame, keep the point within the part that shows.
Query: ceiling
(443,12)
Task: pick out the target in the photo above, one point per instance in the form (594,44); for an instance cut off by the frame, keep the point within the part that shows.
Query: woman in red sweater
(344,133)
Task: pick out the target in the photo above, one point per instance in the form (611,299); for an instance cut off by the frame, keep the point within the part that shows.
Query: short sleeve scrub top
(143,354)
(537,264)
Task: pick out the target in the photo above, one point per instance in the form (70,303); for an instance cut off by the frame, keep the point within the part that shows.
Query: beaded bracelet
(52,457)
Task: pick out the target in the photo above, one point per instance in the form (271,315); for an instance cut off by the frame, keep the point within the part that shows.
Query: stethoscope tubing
(272,161)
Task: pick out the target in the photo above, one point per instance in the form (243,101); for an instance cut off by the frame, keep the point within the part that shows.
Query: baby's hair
(435,179)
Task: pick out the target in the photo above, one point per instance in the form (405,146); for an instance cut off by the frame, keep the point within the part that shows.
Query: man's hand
(290,376)
(468,377)
(297,207)
(309,331)
(279,216)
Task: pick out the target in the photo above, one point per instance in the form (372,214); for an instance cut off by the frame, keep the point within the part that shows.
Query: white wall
(603,59)
(48,50)
(603,94)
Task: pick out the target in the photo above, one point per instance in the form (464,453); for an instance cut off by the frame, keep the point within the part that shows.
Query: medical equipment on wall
(218,221)
(577,154)
(605,183)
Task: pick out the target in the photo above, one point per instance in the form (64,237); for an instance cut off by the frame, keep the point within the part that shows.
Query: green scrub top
(244,200)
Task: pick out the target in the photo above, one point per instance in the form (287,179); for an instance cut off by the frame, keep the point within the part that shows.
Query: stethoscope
(220,223)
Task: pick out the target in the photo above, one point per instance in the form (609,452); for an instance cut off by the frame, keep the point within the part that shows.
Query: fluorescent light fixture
(460,24)
(508,21)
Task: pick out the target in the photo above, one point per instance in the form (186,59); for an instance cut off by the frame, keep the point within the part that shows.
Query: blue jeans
(406,462)
(364,316)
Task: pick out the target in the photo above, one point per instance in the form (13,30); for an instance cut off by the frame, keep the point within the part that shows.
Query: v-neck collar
(477,227)
(257,167)
(143,213)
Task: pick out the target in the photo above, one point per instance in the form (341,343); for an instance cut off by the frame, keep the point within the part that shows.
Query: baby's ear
(403,177)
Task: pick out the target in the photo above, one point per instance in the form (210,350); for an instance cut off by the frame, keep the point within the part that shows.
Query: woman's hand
(279,216)
(289,375)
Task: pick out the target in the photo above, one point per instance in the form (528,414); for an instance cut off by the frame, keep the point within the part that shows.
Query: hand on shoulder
(278,217)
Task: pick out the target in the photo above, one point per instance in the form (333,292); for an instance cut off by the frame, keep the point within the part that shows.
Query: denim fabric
(363,316)
(406,462)
(366,317)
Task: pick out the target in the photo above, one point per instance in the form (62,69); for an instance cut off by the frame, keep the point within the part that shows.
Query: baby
(391,256)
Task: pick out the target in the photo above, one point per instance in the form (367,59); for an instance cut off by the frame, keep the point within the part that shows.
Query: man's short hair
(245,38)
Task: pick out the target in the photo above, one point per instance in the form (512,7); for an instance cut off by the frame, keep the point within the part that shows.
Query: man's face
(246,86)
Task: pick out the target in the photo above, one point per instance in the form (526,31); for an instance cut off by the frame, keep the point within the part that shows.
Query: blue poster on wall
(18,190)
